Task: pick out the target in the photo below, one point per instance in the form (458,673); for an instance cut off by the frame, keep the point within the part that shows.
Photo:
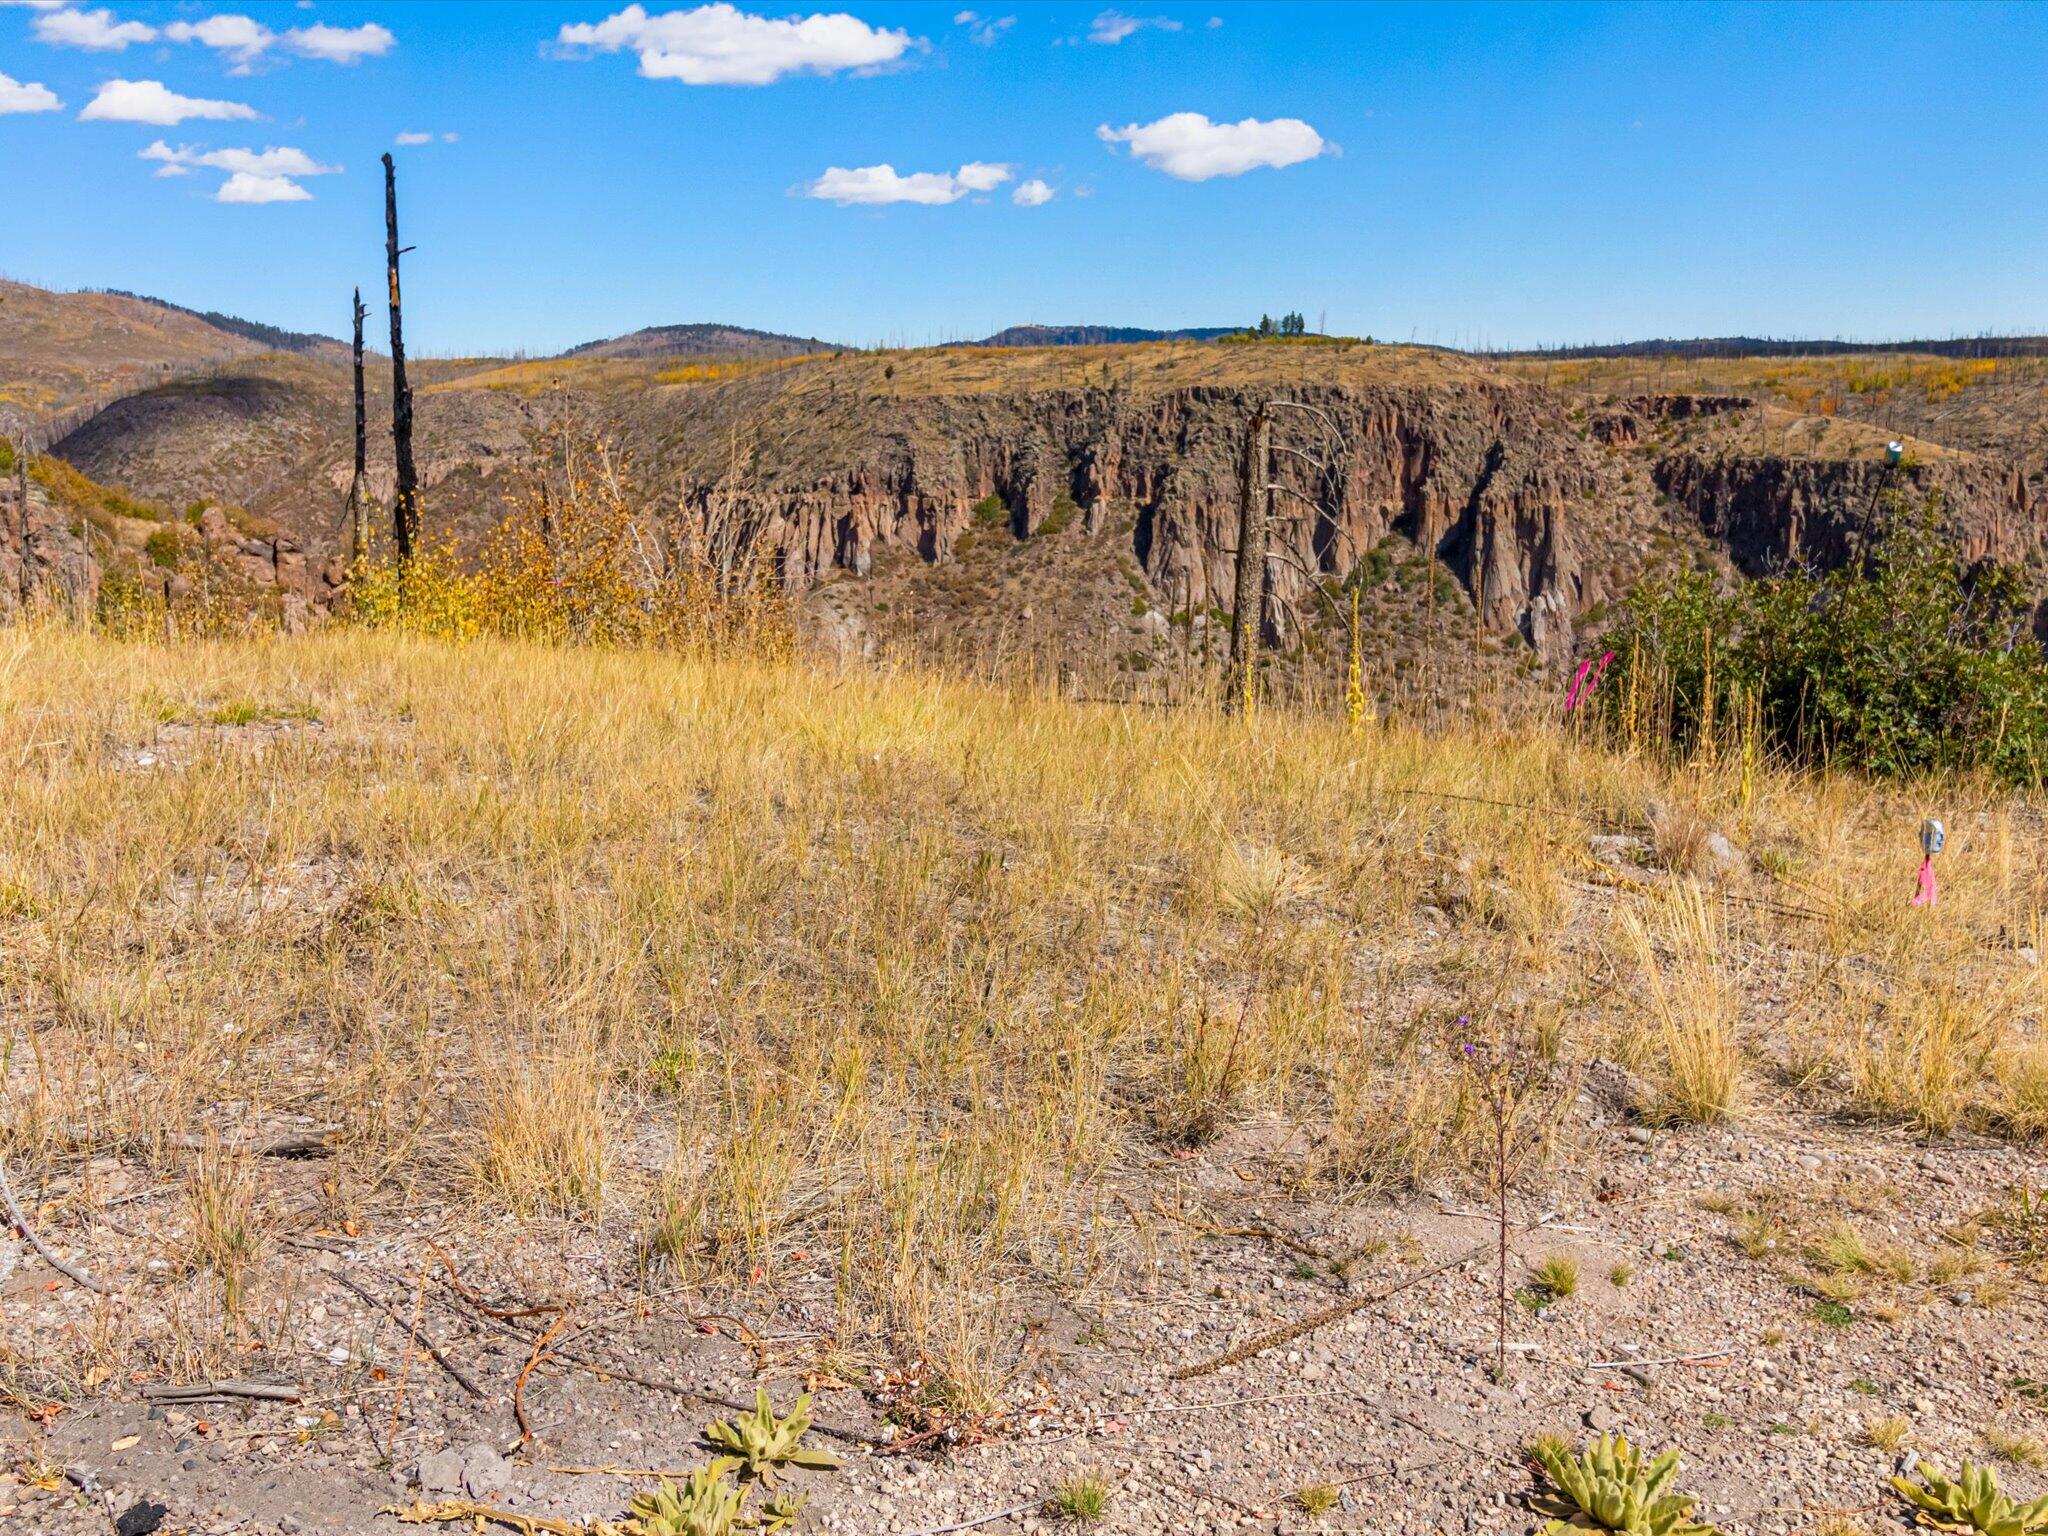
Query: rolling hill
(1095,335)
(701,340)
(61,353)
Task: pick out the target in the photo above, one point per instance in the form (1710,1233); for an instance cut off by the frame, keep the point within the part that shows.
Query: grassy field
(722,962)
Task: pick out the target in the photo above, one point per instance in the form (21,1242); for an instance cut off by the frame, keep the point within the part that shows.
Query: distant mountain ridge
(1761,346)
(700,340)
(275,337)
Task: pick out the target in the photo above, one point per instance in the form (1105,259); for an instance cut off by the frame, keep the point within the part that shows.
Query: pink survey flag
(1585,680)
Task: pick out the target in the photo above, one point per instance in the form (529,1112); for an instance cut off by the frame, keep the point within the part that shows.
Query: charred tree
(1254,522)
(21,510)
(405,510)
(358,515)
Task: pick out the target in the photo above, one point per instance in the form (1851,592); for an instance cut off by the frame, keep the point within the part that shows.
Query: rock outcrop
(45,561)
(1487,475)
(273,566)
(1770,511)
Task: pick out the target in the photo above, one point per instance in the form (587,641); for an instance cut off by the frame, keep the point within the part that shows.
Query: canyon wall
(1770,511)
(1491,477)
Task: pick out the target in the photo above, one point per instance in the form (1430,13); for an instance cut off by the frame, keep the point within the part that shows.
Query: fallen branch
(673,1475)
(1264,1234)
(1703,1355)
(967,1525)
(1315,1320)
(544,1309)
(678,1389)
(14,1215)
(420,1512)
(540,1348)
(288,1144)
(220,1391)
(417,1338)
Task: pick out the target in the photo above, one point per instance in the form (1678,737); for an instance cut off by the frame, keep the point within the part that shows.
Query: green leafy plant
(705,1505)
(1971,1502)
(782,1510)
(762,1442)
(1905,660)
(1610,1488)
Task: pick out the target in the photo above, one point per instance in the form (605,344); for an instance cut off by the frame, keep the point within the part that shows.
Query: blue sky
(1494,175)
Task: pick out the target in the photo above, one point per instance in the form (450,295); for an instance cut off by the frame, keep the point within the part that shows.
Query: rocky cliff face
(1489,476)
(1771,511)
(44,563)
(1539,504)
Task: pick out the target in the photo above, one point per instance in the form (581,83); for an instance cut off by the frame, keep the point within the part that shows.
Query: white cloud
(450,138)
(1113,26)
(26,96)
(270,161)
(875,185)
(150,101)
(246,40)
(985,30)
(242,38)
(248,187)
(413,138)
(1032,194)
(723,45)
(1188,146)
(340,45)
(98,31)
(254,176)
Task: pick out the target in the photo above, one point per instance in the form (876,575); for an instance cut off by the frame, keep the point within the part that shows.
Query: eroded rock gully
(1492,477)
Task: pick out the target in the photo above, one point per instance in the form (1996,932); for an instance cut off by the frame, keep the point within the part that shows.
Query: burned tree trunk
(21,511)
(358,515)
(405,511)
(1254,519)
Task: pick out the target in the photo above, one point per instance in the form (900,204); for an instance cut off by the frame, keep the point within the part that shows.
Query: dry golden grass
(1693,1040)
(724,959)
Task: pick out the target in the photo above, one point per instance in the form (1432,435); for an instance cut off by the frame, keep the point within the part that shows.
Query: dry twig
(416,1338)
(540,1348)
(1292,1331)
(14,1214)
(220,1391)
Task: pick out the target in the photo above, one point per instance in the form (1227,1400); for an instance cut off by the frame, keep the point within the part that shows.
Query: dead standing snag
(405,509)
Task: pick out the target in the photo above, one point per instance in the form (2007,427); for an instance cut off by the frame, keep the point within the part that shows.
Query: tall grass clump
(1691,1035)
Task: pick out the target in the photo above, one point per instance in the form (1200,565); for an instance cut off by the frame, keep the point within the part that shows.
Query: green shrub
(1062,514)
(163,548)
(990,512)
(1903,662)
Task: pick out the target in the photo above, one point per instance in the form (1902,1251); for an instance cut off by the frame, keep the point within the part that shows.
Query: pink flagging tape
(1927,895)
(1585,680)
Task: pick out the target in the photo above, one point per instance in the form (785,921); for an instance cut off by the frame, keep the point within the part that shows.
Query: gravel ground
(1393,1404)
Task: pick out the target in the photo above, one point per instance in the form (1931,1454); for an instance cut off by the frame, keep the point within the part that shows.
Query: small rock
(1722,856)
(485,1473)
(441,1472)
(1602,1419)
